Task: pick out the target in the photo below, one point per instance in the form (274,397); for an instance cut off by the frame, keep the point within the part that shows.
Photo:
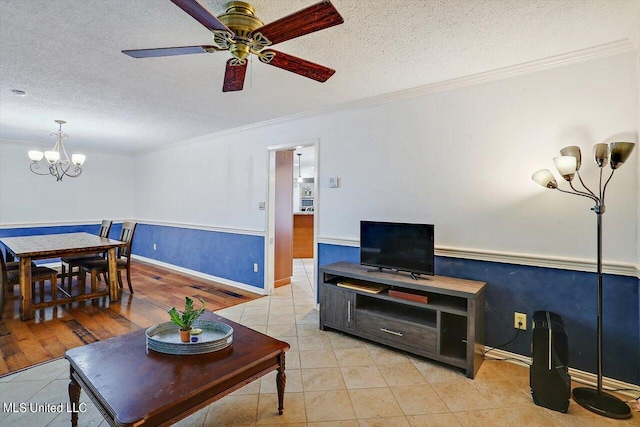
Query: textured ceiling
(66,55)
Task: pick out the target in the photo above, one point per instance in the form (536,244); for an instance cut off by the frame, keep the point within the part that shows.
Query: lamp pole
(568,164)
(599,210)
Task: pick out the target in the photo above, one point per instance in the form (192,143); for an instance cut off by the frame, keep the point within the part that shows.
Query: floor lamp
(568,165)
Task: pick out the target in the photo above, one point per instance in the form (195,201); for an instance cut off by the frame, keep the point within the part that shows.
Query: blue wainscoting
(571,294)
(226,255)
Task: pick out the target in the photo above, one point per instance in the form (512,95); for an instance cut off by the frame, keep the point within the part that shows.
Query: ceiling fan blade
(200,14)
(298,65)
(168,51)
(314,18)
(234,76)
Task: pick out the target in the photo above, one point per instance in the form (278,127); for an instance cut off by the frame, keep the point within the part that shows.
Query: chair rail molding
(246,231)
(618,268)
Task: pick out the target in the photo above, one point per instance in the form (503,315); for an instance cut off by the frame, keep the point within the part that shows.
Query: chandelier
(57,160)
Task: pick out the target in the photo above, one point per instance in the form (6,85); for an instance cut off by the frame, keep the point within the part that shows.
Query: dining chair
(10,263)
(72,262)
(123,260)
(10,278)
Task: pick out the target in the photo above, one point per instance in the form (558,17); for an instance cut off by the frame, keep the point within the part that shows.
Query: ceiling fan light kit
(239,31)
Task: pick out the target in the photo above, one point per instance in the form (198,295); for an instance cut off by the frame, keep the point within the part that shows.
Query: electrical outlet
(520,321)
(255,267)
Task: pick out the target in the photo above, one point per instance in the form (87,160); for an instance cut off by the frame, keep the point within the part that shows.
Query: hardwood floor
(54,330)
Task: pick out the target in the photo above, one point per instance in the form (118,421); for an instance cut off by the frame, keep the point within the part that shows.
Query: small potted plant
(186,318)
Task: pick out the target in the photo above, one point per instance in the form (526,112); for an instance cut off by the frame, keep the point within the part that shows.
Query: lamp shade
(545,178)
(573,150)
(78,159)
(619,153)
(601,154)
(566,166)
(36,156)
(52,156)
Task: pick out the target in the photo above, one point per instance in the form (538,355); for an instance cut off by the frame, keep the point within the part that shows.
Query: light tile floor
(332,380)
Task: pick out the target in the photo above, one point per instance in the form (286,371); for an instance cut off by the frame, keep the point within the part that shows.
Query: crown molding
(595,52)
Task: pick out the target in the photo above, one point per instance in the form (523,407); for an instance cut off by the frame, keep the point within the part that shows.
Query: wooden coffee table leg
(74,397)
(281,382)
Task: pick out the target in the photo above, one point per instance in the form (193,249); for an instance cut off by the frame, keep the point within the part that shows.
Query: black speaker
(549,374)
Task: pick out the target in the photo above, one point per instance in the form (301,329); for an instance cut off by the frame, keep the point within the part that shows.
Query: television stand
(449,327)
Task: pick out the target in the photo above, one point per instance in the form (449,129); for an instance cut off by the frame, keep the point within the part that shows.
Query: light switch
(334,182)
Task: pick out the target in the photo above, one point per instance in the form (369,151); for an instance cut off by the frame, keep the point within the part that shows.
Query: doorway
(306,189)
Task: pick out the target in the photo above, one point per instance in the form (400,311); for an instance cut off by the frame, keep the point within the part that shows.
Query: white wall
(103,191)
(461,159)
(216,183)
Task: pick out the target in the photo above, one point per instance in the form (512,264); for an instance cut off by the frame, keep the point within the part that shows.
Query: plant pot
(185,336)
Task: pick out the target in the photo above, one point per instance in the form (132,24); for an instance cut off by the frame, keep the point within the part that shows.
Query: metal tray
(164,338)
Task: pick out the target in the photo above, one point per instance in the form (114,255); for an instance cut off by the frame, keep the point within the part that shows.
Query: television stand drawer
(414,335)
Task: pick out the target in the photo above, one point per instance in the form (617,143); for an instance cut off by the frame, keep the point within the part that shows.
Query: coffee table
(131,385)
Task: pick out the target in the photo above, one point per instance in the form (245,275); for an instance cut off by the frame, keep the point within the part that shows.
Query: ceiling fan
(240,32)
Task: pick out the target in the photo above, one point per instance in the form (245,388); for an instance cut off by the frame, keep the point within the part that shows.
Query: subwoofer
(549,374)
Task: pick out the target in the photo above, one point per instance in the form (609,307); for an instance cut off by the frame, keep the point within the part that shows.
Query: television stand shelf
(448,328)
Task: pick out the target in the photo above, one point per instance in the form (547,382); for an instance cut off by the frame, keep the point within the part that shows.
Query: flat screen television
(397,246)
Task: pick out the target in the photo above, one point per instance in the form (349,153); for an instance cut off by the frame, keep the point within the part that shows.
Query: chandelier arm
(589,195)
(77,170)
(605,185)
(584,185)
(35,166)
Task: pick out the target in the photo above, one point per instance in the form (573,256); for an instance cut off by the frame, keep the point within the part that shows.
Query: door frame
(269,254)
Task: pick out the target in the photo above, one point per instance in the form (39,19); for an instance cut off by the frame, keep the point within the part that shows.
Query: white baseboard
(200,275)
(576,375)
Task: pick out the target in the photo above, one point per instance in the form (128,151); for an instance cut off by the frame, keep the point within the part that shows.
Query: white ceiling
(66,55)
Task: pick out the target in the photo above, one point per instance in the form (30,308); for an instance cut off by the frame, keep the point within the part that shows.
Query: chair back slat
(105,228)
(128,229)
(3,273)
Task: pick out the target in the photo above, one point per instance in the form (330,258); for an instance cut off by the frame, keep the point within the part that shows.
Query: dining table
(48,246)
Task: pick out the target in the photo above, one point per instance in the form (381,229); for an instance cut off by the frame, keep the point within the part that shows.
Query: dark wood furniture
(71,262)
(303,235)
(123,260)
(449,328)
(29,248)
(9,277)
(134,386)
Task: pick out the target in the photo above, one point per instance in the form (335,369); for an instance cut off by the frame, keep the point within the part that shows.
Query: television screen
(397,246)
